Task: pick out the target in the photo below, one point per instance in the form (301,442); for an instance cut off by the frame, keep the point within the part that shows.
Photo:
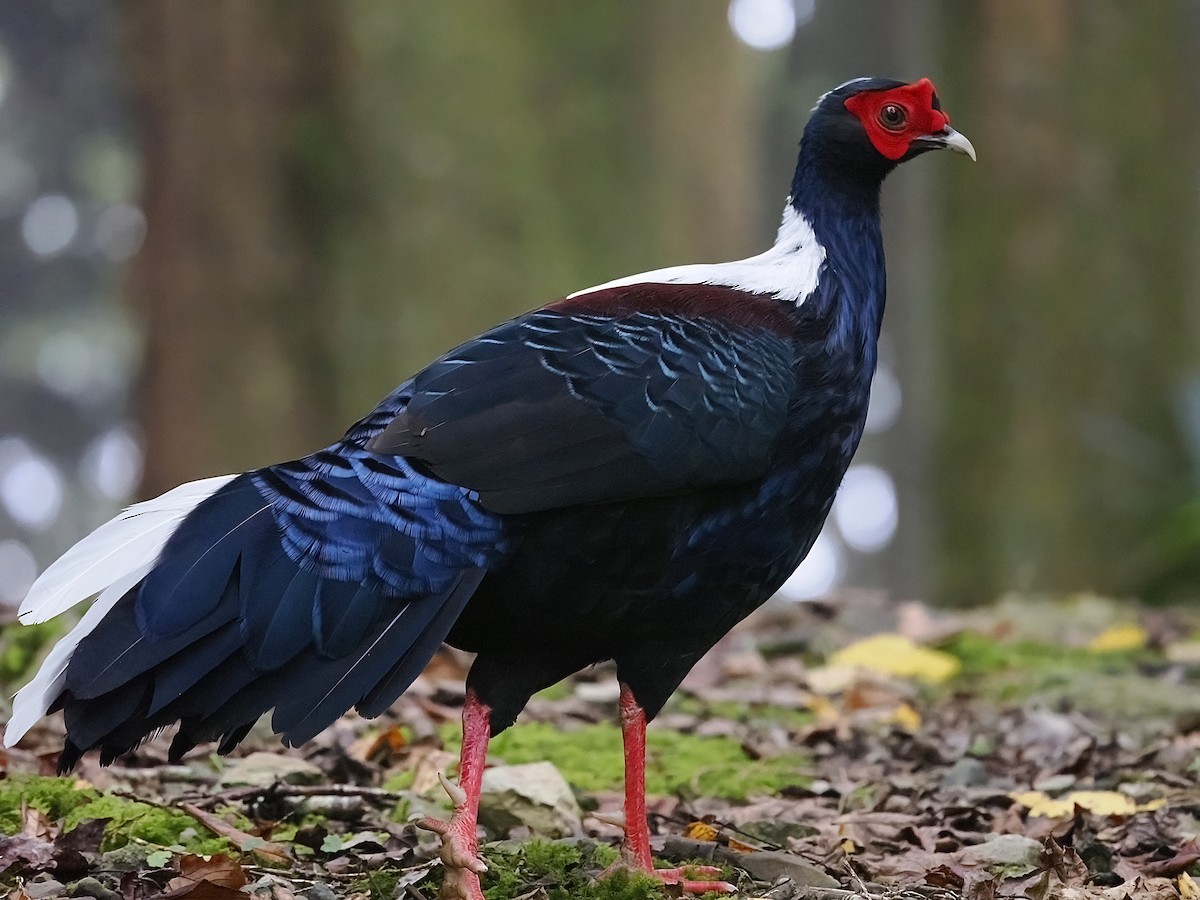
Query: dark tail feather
(265,634)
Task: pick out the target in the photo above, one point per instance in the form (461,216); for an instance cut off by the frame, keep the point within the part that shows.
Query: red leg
(636,849)
(460,846)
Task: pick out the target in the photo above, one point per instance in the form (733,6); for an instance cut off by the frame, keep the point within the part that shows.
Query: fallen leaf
(906,717)
(1118,638)
(21,854)
(894,654)
(35,824)
(1102,803)
(710,833)
(1187,887)
(216,878)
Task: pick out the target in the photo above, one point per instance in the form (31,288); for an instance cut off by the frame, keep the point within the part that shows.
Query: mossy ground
(68,803)
(565,871)
(590,758)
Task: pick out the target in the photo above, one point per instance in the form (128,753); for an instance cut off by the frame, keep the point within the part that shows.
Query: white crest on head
(789,271)
(821,99)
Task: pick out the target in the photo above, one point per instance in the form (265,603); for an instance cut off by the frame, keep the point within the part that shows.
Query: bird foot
(460,847)
(687,878)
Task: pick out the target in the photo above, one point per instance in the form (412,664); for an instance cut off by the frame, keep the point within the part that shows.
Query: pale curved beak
(952,140)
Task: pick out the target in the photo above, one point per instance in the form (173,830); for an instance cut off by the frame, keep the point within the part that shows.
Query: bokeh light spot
(120,230)
(112,464)
(18,569)
(866,510)
(50,224)
(31,486)
(819,573)
(886,400)
(766,24)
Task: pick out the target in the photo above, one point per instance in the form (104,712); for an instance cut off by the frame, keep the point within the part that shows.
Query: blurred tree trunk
(338,192)
(238,106)
(1070,271)
(519,151)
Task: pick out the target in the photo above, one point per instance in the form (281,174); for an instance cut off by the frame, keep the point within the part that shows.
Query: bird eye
(892,117)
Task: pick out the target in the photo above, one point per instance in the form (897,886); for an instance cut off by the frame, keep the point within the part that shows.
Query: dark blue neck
(843,208)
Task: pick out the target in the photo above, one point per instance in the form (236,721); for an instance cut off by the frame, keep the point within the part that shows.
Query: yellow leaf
(824,711)
(1118,638)
(1102,803)
(700,831)
(906,717)
(1187,887)
(894,654)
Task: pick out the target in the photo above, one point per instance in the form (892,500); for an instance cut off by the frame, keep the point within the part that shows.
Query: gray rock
(265,769)
(1014,853)
(966,772)
(93,887)
(534,795)
(772,865)
(318,891)
(38,890)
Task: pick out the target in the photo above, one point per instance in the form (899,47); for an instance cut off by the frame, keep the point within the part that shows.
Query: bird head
(871,124)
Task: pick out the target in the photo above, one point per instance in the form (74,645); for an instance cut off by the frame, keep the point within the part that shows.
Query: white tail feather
(32,701)
(131,540)
(108,562)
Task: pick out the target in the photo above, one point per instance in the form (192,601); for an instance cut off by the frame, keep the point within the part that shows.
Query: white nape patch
(788,271)
(821,99)
(108,562)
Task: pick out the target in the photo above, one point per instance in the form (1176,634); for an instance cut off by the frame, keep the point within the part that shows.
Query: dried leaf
(35,824)
(22,854)
(906,717)
(1119,638)
(217,878)
(1102,803)
(894,654)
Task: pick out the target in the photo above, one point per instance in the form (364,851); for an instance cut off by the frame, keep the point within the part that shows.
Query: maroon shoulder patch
(712,301)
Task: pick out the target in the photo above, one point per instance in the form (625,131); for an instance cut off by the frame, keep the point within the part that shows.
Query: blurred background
(228,228)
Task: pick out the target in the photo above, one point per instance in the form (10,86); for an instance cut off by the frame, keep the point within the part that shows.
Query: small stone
(1053,784)
(534,795)
(772,865)
(1015,853)
(318,891)
(744,664)
(598,692)
(966,772)
(38,890)
(265,769)
(93,887)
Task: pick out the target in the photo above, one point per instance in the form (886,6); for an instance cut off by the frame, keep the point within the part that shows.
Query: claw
(616,819)
(457,795)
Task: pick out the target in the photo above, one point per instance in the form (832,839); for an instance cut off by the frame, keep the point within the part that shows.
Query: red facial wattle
(922,118)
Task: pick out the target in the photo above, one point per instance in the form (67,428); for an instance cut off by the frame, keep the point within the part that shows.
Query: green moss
(559,691)
(132,820)
(20,648)
(401,781)
(56,797)
(745,713)
(983,655)
(64,802)
(565,872)
(590,758)
(379,884)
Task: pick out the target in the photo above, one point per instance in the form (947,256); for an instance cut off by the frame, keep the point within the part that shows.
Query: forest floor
(1033,749)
